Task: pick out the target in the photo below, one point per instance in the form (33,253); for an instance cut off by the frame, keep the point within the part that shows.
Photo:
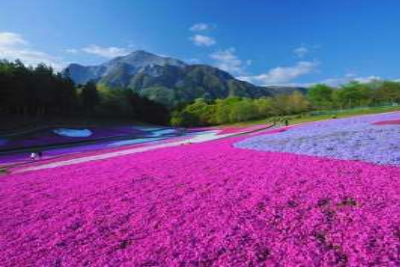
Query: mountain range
(167,80)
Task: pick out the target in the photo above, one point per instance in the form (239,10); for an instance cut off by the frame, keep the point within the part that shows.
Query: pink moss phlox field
(388,122)
(230,130)
(206,204)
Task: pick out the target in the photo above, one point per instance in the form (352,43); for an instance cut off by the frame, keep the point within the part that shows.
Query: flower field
(373,138)
(239,201)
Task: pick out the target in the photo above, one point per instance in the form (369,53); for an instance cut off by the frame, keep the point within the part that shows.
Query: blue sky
(262,41)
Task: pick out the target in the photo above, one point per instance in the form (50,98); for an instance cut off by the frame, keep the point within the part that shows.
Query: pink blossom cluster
(233,129)
(207,204)
(387,122)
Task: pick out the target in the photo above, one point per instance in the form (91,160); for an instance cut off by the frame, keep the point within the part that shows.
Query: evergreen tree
(90,97)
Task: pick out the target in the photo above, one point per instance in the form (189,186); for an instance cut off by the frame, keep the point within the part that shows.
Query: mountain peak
(133,63)
(142,52)
(165,79)
(141,58)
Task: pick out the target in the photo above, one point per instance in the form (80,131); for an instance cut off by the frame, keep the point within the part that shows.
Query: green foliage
(320,96)
(163,95)
(388,92)
(355,94)
(35,91)
(90,97)
(234,109)
(39,92)
(114,101)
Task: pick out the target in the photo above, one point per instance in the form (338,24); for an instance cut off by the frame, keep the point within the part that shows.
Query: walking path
(196,139)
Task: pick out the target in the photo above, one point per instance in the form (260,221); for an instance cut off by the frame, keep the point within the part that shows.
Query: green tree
(353,94)
(320,96)
(265,107)
(114,102)
(388,92)
(297,103)
(90,97)
(243,111)
(223,109)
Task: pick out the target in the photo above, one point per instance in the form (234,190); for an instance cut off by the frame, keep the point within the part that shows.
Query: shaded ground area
(17,148)
(207,204)
(119,139)
(50,136)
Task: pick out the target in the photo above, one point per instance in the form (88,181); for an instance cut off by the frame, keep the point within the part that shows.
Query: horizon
(296,43)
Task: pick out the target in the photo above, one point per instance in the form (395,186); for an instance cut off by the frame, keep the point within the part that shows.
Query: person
(39,154)
(286,122)
(33,156)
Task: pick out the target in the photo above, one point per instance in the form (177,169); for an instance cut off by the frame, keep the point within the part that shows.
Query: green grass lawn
(294,119)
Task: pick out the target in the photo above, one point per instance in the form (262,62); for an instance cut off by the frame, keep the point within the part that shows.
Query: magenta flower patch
(206,204)
(388,122)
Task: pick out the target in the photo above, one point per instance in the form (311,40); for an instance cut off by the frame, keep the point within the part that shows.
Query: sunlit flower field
(316,194)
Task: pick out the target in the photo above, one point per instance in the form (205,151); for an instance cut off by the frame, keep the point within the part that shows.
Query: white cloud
(198,27)
(13,46)
(72,51)
(367,79)
(107,52)
(338,81)
(203,40)
(282,75)
(228,61)
(301,51)
(11,39)
(199,38)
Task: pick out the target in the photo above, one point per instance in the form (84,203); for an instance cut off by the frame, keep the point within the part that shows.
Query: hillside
(167,80)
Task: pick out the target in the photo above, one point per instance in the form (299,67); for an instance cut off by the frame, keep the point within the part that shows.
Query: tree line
(235,109)
(40,92)
(354,94)
(319,97)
